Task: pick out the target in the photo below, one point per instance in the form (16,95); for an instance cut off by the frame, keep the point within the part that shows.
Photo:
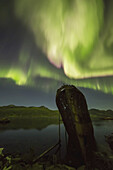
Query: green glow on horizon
(17,75)
(103,84)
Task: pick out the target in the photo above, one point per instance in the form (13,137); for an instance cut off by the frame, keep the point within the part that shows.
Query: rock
(4,121)
(73,109)
(109,140)
(102,161)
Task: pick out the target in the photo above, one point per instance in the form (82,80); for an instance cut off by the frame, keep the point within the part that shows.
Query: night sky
(47,43)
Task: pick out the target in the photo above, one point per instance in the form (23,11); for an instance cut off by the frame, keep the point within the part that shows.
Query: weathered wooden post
(73,109)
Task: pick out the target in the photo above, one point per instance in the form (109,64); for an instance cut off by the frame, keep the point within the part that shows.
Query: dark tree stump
(73,109)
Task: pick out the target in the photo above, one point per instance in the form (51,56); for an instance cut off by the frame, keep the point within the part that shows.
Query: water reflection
(21,140)
(102,128)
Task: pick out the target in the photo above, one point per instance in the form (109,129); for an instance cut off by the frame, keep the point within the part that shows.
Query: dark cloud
(10,93)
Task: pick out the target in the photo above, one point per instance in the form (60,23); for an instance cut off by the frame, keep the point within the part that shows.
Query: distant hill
(42,111)
(101,114)
(22,111)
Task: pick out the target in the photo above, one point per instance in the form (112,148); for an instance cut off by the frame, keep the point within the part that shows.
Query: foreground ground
(9,115)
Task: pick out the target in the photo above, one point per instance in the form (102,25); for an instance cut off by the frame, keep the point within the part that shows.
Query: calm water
(21,140)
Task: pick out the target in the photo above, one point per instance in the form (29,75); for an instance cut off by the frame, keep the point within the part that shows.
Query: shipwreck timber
(73,109)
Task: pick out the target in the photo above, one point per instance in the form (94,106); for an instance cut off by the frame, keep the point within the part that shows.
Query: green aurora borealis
(66,41)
